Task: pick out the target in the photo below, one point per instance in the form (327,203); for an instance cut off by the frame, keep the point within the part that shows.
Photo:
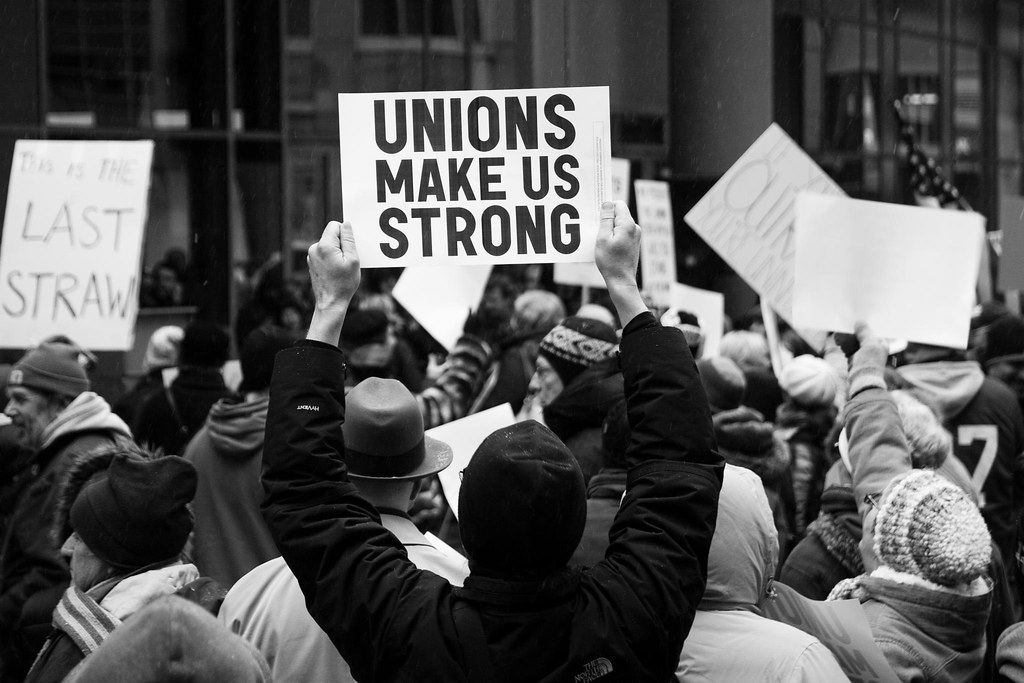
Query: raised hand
(617,254)
(334,275)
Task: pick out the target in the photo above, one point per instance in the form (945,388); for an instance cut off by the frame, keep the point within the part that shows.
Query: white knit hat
(809,381)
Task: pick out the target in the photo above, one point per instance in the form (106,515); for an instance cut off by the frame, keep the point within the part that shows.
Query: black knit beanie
(575,344)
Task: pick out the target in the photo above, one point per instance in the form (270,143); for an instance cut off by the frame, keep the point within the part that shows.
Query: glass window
(967,104)
(1008,117)
(812,68)
(168,276)
(968,20)
(921,16)
(257,68)
(919,88)
(1008,25)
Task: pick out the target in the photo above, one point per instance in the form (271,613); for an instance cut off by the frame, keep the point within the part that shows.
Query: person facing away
(521,615)
(55,416)
(230,536)
(382,427)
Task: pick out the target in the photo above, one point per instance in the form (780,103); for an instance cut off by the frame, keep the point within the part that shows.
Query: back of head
(204,345)
(809,381)
(135,513)
(51,368)
(575,344)
(747,349)
(745,548)
(723,382)
(930,443)
(522,505)
(927,527)
(536,311)
(172,640)
(1005,340)
(257,356)
(596,312)
(163,348)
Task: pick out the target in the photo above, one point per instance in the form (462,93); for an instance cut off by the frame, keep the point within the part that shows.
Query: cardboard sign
(465,436)
(709,307)
(658,244)
(841,626)
(1011,261)
(907,271)
(587,274)
(747,217)
(72,242)
(475,177)
(440,300)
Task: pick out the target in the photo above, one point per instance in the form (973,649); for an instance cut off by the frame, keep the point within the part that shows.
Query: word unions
(462,160)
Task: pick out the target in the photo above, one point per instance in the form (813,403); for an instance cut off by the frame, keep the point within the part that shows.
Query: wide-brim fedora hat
(384,436)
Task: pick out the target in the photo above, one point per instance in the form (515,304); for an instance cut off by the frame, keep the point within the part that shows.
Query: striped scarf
(82,618)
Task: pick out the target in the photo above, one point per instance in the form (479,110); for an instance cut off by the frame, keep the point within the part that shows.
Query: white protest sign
(709,307)
(1011,245)
(907,271)
(465,436)
(587,274)
(841,626)
(440,300)
(72,242)
(747,217)
(658,243)
(475,177)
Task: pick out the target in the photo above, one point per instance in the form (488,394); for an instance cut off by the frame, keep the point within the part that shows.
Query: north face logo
(594,670)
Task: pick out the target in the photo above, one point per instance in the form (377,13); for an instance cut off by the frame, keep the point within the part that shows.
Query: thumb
(347,240)
(607,216)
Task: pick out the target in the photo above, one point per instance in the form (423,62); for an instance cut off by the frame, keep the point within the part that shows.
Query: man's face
(1010,373)
(31,412)
(545,384)
(87,570)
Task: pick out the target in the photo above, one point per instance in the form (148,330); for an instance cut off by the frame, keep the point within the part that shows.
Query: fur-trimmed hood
(745,439)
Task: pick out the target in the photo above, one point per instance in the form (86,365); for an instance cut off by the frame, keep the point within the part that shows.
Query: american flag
(929,186)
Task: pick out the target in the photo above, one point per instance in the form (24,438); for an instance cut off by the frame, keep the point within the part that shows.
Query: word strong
(474,177)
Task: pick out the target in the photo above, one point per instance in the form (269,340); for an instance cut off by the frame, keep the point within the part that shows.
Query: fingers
(346,239)
(863,332)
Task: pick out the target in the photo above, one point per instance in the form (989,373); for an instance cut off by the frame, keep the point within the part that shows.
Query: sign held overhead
(475,177)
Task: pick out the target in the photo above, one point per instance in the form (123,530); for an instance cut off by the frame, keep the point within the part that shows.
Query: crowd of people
(631,525)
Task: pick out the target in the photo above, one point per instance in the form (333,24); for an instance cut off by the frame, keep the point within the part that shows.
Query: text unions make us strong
(513,147)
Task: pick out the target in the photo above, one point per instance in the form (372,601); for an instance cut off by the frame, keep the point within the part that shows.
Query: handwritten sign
(709,307)
(72,242)
(475,177)
(907,271)
(747,217)
(465,436)
(440,300)
(841,626)
(1011,246)
(658,246)
(587,274)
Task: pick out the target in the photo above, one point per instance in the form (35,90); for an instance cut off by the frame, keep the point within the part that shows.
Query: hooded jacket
(730,641)
(625,619)
(988,436)
(230,536)
(33,575)
(745,439)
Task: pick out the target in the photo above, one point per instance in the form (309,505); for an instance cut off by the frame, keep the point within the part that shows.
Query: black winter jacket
(624,620)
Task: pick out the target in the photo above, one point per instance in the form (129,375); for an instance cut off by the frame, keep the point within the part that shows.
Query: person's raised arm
(617,254)
(334,275)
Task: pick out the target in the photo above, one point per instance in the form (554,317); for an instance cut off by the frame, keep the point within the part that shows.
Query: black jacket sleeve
(658,553)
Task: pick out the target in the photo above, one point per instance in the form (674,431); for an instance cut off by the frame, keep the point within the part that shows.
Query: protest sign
(840,625)
(440,300)
(465,436)
(1011,252)
(658,244)
(747,217)
(587,274)
(72,242)
(907,271)
(708,306)
(475,177)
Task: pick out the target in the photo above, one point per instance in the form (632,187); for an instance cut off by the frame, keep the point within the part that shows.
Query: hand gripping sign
(475,177)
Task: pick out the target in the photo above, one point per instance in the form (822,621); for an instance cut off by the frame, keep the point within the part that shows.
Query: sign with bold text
(747,217)
(72,242)
(475,177)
